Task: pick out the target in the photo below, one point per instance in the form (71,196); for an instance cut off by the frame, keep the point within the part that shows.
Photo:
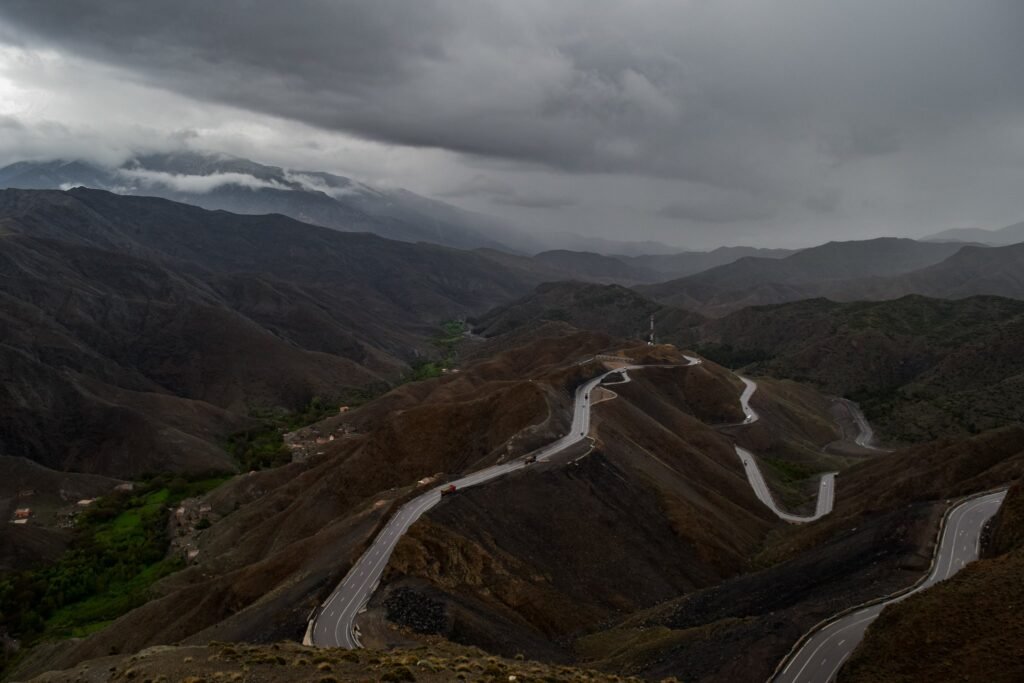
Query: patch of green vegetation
(788,471)
(257,449)
(451,332)
(117,553)
(263,447)
(425,369)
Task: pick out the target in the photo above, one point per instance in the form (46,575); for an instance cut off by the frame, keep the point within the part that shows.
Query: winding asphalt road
(826,487)
(820,657)
(335,623)
(865,433)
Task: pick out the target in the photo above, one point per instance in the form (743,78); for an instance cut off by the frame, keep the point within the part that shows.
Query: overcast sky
(697,123)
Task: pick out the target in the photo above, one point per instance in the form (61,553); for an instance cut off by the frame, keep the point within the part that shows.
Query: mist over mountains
(219,181)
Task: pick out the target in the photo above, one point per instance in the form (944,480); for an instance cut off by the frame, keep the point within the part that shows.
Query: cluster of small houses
(189,514)
(65,518)
(186,519)
(304,442)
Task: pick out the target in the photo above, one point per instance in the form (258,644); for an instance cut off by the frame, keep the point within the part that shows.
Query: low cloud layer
(195,184)
(808,117)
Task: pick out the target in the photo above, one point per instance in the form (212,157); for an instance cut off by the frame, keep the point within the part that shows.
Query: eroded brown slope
(660,508)
(878,539)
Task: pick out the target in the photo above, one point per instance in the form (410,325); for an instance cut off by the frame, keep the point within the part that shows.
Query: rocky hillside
(139,333)
(920,367)
(279,539)
(438,662)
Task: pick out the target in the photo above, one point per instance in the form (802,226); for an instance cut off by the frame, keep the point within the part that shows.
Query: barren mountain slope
(878,539)
(139,333)
(659,508)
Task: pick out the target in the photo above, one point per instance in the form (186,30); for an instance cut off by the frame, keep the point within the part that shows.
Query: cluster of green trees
(117,551)
(263,447)
(446,341)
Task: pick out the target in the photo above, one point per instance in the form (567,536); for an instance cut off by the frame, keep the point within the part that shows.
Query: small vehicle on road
(530,459)
(448,490)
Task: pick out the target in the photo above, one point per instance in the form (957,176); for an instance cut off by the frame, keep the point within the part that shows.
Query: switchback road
(334,625)
(826,487)
(819,658)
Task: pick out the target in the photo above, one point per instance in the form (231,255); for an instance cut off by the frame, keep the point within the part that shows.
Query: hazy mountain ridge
(221,181)
(885,268)
(215,181)
(1011,234)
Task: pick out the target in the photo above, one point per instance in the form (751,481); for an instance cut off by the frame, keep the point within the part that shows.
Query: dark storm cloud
(705,99)
(718,93)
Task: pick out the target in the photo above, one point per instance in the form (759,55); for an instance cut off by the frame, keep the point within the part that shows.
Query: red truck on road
(448,490)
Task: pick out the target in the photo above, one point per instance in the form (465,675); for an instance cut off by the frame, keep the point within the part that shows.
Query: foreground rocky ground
(286,662)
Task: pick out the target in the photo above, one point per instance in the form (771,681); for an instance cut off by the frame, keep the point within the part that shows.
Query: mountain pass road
(826,486)
(820,657)
(335,623)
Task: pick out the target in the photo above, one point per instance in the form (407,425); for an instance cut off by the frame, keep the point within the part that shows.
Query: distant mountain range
(219,181)
(884,268)
(246,187)
(1011,234)
(216,181)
